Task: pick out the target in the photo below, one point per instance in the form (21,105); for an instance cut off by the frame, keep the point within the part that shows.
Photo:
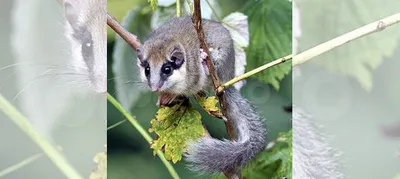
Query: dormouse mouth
(158,87)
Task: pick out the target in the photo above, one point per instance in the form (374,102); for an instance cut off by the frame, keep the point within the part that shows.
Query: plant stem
(253,72)
(178,8)
(298,59)
(143,132)
(116,124)
(48,149)
(346,38)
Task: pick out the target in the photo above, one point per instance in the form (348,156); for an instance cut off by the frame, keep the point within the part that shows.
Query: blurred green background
(129,155)
(353,90)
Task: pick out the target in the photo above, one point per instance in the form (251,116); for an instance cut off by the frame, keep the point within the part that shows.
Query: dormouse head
(163,67)
(86,31)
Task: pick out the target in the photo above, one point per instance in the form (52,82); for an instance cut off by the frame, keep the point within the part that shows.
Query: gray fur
(313,158)
(207,155)
(211,155)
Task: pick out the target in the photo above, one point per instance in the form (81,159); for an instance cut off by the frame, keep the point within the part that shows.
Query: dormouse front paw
(203,56)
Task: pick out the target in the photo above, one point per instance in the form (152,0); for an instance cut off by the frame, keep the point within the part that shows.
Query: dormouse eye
(146,67)
(87,49)
(166,70)
(147,71)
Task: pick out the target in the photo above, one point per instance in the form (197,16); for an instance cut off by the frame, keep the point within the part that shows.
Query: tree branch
(197,21)
(129,38)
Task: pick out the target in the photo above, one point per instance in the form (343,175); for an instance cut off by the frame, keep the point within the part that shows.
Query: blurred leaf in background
(354,86)
(357,59)
(270,38)
(129,156)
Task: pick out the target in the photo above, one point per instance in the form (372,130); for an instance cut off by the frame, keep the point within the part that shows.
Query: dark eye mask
(84,36)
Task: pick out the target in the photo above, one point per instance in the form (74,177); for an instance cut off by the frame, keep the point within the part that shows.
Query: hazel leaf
(209,104)
(175,126)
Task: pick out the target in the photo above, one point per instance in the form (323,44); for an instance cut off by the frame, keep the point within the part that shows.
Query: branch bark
(197,21)
(129,38)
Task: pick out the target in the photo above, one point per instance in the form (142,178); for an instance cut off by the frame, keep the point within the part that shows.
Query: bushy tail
(210,155)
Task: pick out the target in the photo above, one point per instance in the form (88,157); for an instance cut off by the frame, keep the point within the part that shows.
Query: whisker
(44,74)
(34,64)
(25,86)
(134,82)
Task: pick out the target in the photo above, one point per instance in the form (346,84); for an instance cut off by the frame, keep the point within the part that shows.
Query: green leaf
(210,105)
(356,59)
(100,171)
(270,23)
(124,63)
(275,163)
(175,126)
(161,15)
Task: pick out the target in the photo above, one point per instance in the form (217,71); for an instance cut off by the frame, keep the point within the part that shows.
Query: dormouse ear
(72,11)
(177,57)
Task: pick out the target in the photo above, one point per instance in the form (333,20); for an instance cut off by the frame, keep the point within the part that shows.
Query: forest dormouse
(171,62)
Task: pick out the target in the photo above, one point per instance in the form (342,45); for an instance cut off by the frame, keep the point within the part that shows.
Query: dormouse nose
(155,84)
(154,88)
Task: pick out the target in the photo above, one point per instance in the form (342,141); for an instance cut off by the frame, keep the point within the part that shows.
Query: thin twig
(373,27)
(346,38)
(143,132)
(253,72)
(129,38)
(23,123)
(19,165)
(116,124)
(178,8)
